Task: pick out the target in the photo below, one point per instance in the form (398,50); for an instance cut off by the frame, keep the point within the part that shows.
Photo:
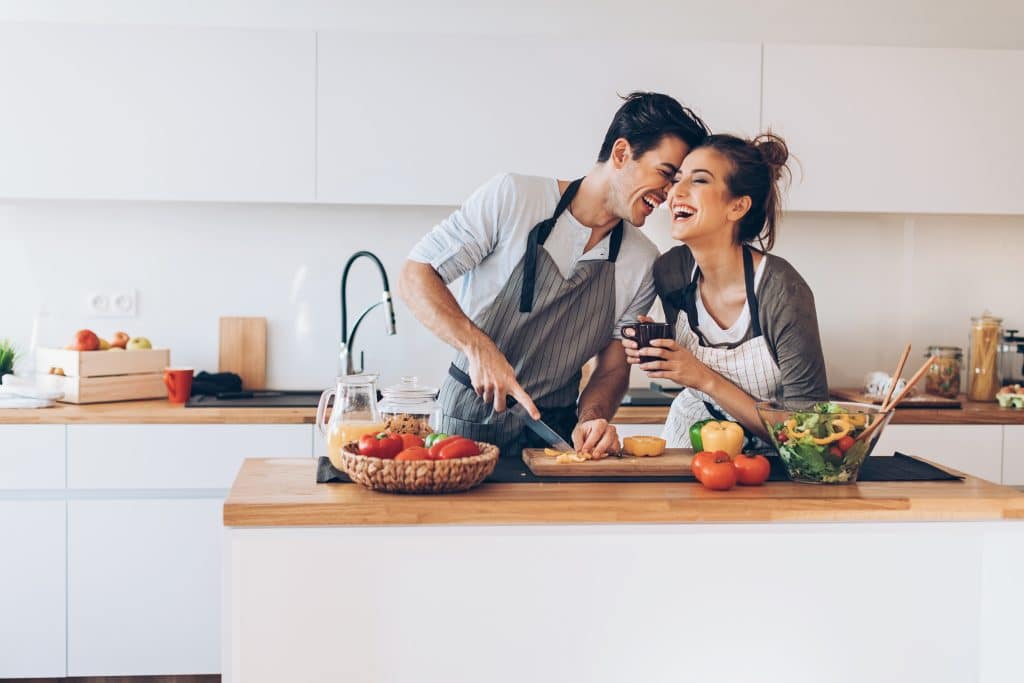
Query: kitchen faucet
(345,366)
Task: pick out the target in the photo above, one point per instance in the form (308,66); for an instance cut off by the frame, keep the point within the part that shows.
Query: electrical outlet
(112,303)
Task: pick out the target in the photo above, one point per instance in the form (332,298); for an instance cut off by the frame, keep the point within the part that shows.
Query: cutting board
(674,462)
(243,350)
(918,401)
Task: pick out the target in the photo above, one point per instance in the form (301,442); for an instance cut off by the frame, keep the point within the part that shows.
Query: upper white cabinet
(900,129)
(145,112)
(425,119)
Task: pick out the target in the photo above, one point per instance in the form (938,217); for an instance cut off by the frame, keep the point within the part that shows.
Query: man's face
(641,184)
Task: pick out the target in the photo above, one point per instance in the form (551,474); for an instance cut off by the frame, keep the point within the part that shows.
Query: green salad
(821,444)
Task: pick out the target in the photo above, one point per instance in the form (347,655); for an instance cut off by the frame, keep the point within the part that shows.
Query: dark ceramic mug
(644,333)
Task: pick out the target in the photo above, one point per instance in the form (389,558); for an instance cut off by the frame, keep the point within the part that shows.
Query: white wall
(878,280)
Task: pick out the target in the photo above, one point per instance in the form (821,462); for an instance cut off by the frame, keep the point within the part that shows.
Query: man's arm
(426,295)
(599,402)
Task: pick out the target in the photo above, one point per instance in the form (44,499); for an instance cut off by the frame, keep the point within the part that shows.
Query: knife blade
(541,429)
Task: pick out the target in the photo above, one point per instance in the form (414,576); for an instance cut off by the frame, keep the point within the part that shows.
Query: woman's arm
(682,367)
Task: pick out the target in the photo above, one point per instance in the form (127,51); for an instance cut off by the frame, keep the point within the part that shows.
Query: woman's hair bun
(774,152)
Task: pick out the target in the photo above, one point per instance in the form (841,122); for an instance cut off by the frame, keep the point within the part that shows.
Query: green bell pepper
(434,438)
(695,441)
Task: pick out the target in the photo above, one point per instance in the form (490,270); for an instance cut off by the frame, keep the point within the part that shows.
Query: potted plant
(8,355)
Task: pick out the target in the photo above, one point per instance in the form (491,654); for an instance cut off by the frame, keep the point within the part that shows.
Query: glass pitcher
(355,413)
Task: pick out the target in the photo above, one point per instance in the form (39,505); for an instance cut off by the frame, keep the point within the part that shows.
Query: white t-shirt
(712,331)
(485,240)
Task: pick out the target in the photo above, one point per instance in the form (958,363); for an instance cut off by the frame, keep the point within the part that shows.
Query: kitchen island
(620,582)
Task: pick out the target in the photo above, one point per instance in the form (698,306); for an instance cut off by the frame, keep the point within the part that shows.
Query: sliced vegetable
(643,445)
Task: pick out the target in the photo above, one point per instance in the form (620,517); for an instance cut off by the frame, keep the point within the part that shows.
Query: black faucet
(345,365)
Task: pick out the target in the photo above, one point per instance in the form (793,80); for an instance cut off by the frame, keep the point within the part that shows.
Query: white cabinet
(144,587)
(174,456)
(32,623)
(972,449)
(902,130)
(1013,455)
(426,119)
(147,112)
(32,456)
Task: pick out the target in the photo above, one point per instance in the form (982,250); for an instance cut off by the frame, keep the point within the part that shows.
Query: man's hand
(494,379)
(597,437)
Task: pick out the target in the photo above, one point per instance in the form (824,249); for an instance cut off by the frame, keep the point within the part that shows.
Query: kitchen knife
(539,427)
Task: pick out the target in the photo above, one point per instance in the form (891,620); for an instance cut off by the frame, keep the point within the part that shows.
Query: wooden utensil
(243,350)
(674,462)
(899,397)
(896,376)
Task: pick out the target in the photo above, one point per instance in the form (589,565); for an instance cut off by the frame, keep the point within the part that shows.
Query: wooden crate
(102,363)
(109,388)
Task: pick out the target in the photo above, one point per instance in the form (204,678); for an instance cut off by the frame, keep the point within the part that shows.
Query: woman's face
(700,203)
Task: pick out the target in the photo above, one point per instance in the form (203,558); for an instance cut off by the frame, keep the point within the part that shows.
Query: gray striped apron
(750,365)
(548,327)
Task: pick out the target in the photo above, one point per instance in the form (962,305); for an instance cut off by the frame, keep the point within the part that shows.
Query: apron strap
(687,297)
(539,234)
(748,276)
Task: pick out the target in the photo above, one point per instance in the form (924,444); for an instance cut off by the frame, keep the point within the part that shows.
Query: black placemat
(898,467)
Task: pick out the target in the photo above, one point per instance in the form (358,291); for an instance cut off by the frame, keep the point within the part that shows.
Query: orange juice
(346,432)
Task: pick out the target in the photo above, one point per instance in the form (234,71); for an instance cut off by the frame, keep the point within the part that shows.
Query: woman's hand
(632,354)
(675,363)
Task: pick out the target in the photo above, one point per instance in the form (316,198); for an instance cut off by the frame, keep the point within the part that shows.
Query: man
(552,269)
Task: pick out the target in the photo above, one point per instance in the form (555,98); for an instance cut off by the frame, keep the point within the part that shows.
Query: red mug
(179,384)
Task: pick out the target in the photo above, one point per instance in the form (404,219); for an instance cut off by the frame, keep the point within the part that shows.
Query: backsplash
(879,280)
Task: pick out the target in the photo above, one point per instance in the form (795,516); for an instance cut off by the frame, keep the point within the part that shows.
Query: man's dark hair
(647,117)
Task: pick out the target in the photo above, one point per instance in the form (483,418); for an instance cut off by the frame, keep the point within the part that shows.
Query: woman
(744,320)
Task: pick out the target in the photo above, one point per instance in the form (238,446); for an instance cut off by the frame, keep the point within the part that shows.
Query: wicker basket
(419,476)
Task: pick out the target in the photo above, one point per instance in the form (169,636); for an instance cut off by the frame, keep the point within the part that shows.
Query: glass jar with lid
(943,375)
(982,360)
(410,407)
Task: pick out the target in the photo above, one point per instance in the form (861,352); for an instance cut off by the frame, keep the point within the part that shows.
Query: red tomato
(460,448)
(719,475)
(751,470)
(845,443)
(701,459)
(381,446)
(411,441)
(835,452)
(414,453)
(435,450)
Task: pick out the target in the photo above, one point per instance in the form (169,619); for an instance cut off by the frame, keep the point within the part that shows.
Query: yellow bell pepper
(843,428)
(722,436)
(795,433)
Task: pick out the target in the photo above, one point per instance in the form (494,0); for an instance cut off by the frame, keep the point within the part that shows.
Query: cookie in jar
(410,407)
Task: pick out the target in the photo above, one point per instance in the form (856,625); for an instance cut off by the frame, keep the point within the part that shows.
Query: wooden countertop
(162,412)
(284,492)
(159,411)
